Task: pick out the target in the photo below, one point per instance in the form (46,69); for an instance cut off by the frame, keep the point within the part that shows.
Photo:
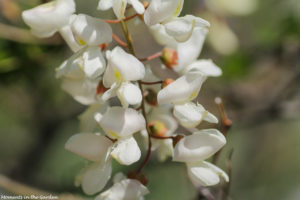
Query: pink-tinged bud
(157,128)
(167,82)
(103,46)
(151,97)
(100,88)
(169,57)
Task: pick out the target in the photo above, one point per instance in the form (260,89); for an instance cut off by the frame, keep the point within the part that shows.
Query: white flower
(162,10)
(182,90)
(90,31)
(199,146)
(206,67)
(46,19)
(99,149)
(205,174)
(119,122)
(121,69)
(191,115)
(127,189)
(119,6)
(80,74)
(181,28)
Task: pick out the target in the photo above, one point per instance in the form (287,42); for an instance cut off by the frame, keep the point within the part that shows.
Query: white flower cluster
(93,76)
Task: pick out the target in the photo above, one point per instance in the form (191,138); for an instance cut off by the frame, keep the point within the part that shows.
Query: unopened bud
(167,82)
(100,88)
(103,46)
(169,57)
(151,97)
(157,128)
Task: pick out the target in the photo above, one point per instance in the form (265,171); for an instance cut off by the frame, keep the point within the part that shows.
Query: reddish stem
(118,40)
(156,55)
(161,138)
(115,21)
(151,83)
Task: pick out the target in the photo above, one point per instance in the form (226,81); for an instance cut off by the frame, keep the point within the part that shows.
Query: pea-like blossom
(80,74)
(126,189)
(123,68)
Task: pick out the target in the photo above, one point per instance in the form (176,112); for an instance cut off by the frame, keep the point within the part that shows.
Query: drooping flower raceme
(145,103)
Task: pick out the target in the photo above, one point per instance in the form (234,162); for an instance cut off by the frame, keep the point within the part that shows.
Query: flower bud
(167,82)
(157,128)
(100,88)
(169,57)
(151,97)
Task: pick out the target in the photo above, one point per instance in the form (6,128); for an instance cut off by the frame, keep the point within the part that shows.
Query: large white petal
(160,35)
(199,146)
(185,88)
(126,151)
(105,4)
(119,7)
(189,51)
(82,90)
(181,28)
(129,121)
(93,62)
(205,173)
(91,31)
(44,20)
(207,67)
(127,189)
(90,146)
(126,67)
(161,10)
(129,94)
(95,177)
(190,115)
(138,6)
(66,33)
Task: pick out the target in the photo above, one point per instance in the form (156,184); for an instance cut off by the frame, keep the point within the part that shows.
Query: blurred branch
(24,190)
(24,36)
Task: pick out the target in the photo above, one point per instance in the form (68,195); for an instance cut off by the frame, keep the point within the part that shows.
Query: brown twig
(115,21)
(118,40)
(151,83)
(156,55)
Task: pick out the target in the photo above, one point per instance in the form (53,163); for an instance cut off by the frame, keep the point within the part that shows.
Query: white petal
(181,28)
(44,20)
(90,146)
(199,146)
(207,67)
(126,67)
(185,88)
(112,92)
(93,62)
(160,35)
(165,150)
(189,51)
(127,189)
(190,115)
(138,6)
(91,31)
(109,77)
(129,94)
(95,177)
(83,91)
(159,11)
(119,7)
(129,122)
(105,4)
(66,33)
(205,173)
(126,151)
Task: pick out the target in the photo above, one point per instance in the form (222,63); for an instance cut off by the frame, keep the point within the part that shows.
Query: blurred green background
(257,45)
